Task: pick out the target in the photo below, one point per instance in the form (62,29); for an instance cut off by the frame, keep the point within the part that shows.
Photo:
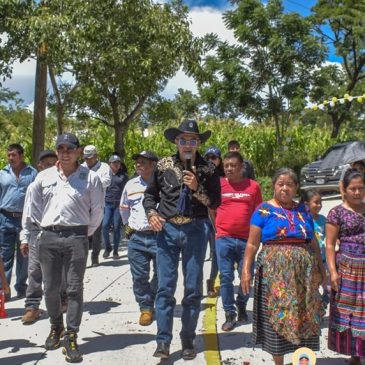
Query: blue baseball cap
(213,151)
(303,356)
(67,139)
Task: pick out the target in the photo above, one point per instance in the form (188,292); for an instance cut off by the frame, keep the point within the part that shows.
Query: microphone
(188,156)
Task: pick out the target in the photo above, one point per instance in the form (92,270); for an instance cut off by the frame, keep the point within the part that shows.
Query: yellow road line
(211,353)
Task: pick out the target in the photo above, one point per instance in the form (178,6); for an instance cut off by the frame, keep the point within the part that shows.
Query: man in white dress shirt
(29,246)
(71,200)
(142,240)
(104,172)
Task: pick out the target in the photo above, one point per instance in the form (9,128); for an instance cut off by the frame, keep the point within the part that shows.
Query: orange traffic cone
(2,304)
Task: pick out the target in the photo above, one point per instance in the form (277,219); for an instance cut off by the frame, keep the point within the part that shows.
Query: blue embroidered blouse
(279,223)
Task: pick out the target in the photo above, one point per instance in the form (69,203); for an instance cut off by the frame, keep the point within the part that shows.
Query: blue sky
(302,7)
(212,3)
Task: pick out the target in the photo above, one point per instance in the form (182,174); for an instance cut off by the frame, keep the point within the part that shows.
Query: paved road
(110,333)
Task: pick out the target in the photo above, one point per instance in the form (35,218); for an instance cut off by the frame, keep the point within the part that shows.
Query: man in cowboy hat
(176,202)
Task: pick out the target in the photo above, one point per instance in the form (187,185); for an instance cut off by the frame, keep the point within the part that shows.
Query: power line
(298,4)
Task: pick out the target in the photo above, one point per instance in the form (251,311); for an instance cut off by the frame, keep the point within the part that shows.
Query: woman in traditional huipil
(287,304)
(346,223)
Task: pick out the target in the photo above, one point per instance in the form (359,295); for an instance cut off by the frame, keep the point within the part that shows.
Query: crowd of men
(170,209)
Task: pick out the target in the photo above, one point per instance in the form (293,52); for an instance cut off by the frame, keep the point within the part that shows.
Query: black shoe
(188,349)
(230,322)
(242,314)
(116,256)
(20,294)
(94,262)
(107,253)
(8,296)
(54,338)
(162,350)
(70,348)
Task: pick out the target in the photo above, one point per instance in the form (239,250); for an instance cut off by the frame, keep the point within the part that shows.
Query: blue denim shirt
(12,190)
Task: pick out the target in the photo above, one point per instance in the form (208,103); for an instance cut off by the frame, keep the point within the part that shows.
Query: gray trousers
(34,291)
(68,250)
(95,243)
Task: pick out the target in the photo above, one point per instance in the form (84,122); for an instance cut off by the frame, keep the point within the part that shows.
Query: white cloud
(209,20)
(25,68)
(203,20)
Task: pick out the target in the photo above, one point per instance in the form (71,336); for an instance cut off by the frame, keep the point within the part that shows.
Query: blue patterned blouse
(279,223)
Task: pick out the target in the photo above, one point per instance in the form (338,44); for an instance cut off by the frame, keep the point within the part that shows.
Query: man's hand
(155,221)
(24,249)
(189,179)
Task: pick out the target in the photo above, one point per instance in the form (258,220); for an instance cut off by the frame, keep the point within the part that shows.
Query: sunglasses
(65,149)
(185,142)
(211,157)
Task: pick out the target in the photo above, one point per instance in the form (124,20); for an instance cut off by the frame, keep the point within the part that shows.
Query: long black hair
(351,174)
(307,195)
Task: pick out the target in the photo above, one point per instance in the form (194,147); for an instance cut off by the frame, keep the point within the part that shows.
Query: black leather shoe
(20,294)
(188,349)
(230,322)
(242,314)
(107,252)
(94,262)
(162,350)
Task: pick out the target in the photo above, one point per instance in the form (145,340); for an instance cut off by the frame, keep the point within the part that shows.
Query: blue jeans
(9,243)
(189,240)
(111,215)
(141,251)
(211,238)
(230,251)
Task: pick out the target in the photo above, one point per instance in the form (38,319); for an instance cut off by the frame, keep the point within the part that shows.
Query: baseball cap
(213,151)
(68,139)
(114,158)
(303,356)
(89,151)
(46,153)
(146,154)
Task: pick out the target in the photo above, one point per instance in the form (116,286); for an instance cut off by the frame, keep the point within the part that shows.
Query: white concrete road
(110,333)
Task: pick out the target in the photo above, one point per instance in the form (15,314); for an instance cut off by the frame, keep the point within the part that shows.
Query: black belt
(148,232)
(11,214)
(73,229)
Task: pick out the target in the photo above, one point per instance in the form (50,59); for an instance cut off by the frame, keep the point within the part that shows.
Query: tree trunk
(338,118)
(279,138)
(39,112)
(336,124)
(60,115)
(120,130)
(59,105)
(121,126)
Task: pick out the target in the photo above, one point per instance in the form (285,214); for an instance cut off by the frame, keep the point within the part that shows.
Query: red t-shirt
(239,201)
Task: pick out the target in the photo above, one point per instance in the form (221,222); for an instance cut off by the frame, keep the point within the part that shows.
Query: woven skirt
(346,334)
(292,258)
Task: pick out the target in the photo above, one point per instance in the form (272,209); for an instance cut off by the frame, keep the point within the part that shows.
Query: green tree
(158,109)
(15,123)
(133,48)
(120,53)
(267,74)
(346,20)
(38,30)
